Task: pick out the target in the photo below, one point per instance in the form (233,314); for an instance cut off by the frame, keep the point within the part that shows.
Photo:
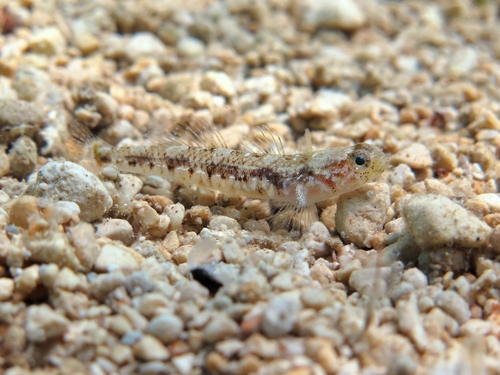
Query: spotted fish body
(300,179)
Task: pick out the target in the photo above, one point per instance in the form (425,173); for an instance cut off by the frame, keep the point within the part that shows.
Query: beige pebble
(121,354)
(232,251)
(324,13)
(436,220)
(219,328)
(166,328)
(184,363)
(23,157)
(113,256)
(15,112)
(23,208)
(82,237)
(6,288)
(149,348)
(176,214)
(443,158)
(416,155)
(69,280)
(144,44)
(28,280)
(43,323)
(68,181)
(484,204)
(280,315)
(454,305)
(48,40)
(116,229)
(218,83)
(474,327)
(495,239)
(4,162)
(361,214)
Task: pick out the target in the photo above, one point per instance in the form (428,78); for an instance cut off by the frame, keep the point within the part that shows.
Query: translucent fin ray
(265,142)
(187,130)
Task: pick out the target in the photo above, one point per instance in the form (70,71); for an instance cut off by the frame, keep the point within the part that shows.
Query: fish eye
(360,159)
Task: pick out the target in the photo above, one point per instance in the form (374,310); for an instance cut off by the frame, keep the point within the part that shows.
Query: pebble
(218,83)
(4,162)
(112,257)
(436,221)
(184,363)
(23,157)
(330,14)
(6,288)
(190,47)
(221,327)
(454,305)
(149,348)
(43,323)
(417,156)
(361,214)
(280,315)
(144,44)
(48,41)
(484,204)
(232,251)
(16,112)
(116,229)
(68,181)
(166,328)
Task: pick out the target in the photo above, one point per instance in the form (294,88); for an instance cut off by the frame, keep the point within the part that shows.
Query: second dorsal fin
(265,142)
(187,130)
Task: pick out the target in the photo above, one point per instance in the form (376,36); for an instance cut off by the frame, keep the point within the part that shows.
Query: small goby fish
(297,180)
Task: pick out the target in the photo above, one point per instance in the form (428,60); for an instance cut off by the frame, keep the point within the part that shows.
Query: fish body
(300,179)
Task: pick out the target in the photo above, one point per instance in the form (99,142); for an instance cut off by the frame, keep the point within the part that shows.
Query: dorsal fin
(265,142)
(187,130)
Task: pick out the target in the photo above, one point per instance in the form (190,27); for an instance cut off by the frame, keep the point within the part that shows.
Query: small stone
(149,348)
(68,280)
(330,14)
(68,181)
(6,288)
(176,214)
(112,256)
(144,44)
(149,221)
(190,47)
(121,354)
(116,229)
(166,328)
(484,204)
(495,239)
(48,40)
(436,220)
(23,157)
(361,214)
(4,162)
(83,39)
(15,112)
(232,251)
(43,323)
(184,363)
(454,305)
(280,315)
(417,156)
(219,328)
(218,83)
(22,209)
